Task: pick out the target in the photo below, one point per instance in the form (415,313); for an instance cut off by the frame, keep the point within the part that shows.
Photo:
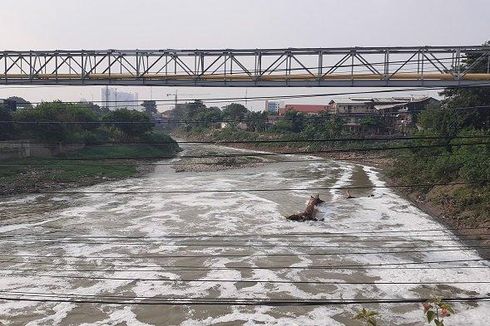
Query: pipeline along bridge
(427,66)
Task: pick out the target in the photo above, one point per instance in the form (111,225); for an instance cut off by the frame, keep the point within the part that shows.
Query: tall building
(272,107)
(114,99)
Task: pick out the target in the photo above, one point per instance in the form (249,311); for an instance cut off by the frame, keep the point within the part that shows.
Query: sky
(184,24)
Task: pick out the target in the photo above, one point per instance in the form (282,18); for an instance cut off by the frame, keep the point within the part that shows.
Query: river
(161,238)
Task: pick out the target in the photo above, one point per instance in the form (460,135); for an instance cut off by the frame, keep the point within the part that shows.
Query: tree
(150,107)
(206,117)
(443,122)
(132,124)
(373,124)
(6,126)
(56,121)
(472,96)
(335,126)
(297,120)
(19,102)
(283,125)
(98,110)
(256,121)
(235,112)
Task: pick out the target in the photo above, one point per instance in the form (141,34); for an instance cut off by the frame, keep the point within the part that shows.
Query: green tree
(256,121)
(373,125)
(283,125)
(19,102)
(444,122)
(297,120)
(150,107)
(472,96)
(206,117)
(132,124)
(235,112)
(335,126)
(56,121)
(7,129)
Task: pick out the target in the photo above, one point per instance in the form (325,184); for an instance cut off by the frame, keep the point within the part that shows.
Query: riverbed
(162,248)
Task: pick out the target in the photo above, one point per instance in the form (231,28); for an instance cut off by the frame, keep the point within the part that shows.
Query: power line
(223,245)
(107,299)
(325,237)
(272,141)
(66,192)
(388,239)
(183,280)
(39,162)
(324,254)
(260,154)
(257,98)
(326,116)
(176,268)
(294,234)
(398,265)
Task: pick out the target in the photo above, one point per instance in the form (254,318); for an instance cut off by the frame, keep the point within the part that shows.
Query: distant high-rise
(272,107)
(113,99)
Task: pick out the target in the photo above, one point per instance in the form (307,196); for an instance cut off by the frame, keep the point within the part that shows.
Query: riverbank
(86,167)
(468,224)
(214,164)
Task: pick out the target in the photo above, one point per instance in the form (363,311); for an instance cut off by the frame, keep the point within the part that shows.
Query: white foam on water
(61,310)
(20,226)
(260,315)
(19,199)
(124,316)
(343,181)
(237,213)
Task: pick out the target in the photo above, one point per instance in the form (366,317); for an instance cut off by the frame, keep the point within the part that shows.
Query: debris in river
(310,211)
(348,195)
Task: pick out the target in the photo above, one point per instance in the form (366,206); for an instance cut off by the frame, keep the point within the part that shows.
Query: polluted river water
(163,249)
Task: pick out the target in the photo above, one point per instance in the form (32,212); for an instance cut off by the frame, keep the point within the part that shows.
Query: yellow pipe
(244,77)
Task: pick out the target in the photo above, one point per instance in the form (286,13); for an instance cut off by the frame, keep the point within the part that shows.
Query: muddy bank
(467,230)
(213,164)
(34,179)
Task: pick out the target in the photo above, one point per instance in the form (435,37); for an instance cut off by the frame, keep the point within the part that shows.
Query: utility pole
(107,97)
(176,97)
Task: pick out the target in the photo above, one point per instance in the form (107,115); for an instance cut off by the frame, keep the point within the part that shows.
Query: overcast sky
(157,24)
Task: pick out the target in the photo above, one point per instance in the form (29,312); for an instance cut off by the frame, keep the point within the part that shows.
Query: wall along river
(161,240)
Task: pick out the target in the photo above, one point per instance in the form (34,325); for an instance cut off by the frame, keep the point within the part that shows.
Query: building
(114,99)
(310,109)
(350,106)
(398,112)
(272,107)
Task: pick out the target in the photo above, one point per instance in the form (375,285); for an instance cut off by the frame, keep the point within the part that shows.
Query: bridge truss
(293,67)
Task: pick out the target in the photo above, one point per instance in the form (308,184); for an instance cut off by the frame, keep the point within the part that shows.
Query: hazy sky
(156,24)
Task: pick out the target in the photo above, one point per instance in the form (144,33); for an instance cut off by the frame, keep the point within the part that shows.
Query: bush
(138,123)
(58,122)
(162,141)
(7,129)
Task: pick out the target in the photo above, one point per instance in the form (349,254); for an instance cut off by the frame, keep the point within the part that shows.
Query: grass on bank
(80,166)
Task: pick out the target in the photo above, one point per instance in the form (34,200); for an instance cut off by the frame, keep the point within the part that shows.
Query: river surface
(161,238)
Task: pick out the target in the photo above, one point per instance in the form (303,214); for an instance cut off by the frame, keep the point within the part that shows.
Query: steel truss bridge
(429,66)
